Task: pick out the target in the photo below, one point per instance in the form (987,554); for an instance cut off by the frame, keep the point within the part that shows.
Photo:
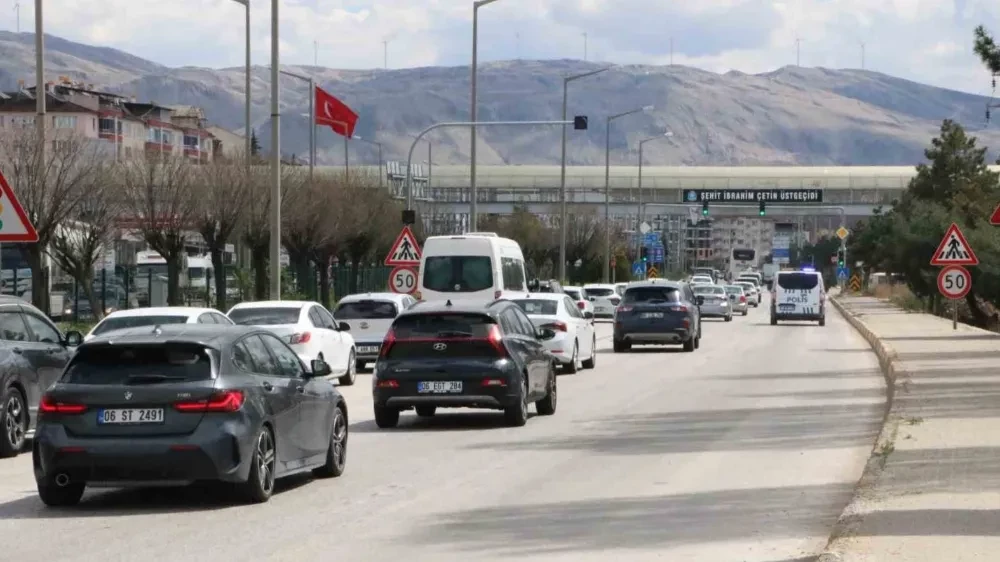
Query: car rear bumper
(803,317)
(715,310)
(678,335)
(212,452)
(477,398)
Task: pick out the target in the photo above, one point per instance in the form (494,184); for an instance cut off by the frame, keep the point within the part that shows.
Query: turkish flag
(334,113)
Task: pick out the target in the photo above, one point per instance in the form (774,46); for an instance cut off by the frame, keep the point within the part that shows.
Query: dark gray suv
(658,313)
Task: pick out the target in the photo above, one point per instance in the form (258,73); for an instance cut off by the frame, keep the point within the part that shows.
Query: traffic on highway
(262,404)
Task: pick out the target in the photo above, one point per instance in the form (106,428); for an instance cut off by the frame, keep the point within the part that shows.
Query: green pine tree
(254,143)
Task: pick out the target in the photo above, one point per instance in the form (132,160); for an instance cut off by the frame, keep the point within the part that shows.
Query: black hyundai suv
(464,355)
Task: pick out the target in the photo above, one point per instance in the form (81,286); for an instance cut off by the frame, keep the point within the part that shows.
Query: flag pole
(312,129)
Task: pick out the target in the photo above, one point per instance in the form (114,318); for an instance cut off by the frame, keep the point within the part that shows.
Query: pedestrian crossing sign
(405,251)
(954,249)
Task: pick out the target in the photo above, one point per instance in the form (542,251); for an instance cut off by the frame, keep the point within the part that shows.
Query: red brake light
(296,339)
(494,382)
(557,326)
(387,341)
(387,384)
(624,308)
(496,340)
(50,406)
(581,304)
(223,401)
(743,298)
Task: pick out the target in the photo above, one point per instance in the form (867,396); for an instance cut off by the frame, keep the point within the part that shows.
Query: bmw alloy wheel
(14,420)
(265,461)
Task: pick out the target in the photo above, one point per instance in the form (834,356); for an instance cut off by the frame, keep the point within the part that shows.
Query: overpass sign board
(737,196)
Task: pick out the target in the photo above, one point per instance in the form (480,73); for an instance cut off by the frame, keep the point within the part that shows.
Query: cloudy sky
(924,40)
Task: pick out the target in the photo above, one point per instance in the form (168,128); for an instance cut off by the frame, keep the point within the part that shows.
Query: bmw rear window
(796,281)
(138,364)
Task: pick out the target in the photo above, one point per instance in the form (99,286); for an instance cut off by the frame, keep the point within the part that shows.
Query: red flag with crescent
(333,113)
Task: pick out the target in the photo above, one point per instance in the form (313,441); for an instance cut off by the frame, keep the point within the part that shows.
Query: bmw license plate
(129,416)
(786,307)
(366,349)
(439,387)
(652,315)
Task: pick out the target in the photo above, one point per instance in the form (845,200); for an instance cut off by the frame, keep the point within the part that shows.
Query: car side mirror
(73,338)
(700,300)
(588,315)
(344,327)
(319,368)
(545,334)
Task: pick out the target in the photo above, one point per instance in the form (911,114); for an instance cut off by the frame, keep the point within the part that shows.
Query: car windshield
(458,274)
(600,292)
(734,290)
(537,307)
(366,310)
(750,280)
(708,290)
(253,316)
(637,295)
(798,281)
(125,322)
(746,286)
(139,364)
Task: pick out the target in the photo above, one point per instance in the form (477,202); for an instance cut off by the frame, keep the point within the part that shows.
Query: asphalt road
(745,450)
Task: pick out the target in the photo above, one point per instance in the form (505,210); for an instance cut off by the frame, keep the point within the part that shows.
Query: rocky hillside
(807,116)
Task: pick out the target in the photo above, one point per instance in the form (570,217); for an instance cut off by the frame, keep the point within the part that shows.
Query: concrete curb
(850,519)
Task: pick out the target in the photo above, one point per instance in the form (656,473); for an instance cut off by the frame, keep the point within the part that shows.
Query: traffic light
(704,208)
(644,254)
(840,258)
(762,209)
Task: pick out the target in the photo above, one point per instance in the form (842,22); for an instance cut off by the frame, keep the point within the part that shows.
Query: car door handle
(300,389)
(268,386)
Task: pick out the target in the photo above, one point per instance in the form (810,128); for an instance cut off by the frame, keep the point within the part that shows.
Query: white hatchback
(309,329)
(370,315)
(605,298)
(156,316)
(575,343)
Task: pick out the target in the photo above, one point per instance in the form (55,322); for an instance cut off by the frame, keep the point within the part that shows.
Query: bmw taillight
(223,401)
(50,406)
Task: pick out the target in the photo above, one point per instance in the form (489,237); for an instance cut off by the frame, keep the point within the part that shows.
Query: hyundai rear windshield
(126,322)
(458,274)
(538,307)
(138,364)
(442,325)
(798,281)
(366,310)
(651,294)
(265,316)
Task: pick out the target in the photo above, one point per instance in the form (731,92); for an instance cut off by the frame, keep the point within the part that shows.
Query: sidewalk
(931,491)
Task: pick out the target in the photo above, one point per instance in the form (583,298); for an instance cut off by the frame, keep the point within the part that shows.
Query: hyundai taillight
(557,326)
(388,383)
(387,341)
(48,405)
(302,337)
(496,340)
(219,402)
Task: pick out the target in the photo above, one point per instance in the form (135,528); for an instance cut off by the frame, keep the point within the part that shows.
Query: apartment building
(122,126)
(741,232)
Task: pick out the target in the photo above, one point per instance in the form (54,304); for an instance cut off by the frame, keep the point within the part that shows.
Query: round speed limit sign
(403,280)
(954,282)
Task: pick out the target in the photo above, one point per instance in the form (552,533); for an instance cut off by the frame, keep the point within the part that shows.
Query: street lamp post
(275,246)
(562,174)
(246,110)
(638,222)
(473,211)
(379,145)
(312,120)
(607,188)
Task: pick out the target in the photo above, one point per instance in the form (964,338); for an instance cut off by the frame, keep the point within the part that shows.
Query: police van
(478,266)
(798,295)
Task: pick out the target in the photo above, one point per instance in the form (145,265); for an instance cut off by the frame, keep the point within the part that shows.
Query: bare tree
(159,191)
(224,195)
(49,188)
(257,224)
(302,223)
(80,241)
(373,220)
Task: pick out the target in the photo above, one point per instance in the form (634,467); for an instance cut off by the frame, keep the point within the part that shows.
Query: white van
(798,295)
(474,266)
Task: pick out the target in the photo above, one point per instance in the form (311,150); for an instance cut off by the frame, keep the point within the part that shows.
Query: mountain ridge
(787,116)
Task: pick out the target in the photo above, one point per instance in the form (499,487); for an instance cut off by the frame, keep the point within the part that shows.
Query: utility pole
(385,54)
(517,46)
(17,11)
(315,53)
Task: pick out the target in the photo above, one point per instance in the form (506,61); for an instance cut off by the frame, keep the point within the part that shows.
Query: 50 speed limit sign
(954,282)
(403,280)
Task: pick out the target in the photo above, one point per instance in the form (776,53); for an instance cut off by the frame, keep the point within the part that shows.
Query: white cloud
(924,40)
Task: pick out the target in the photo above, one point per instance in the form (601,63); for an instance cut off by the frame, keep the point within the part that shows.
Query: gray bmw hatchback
(182,403)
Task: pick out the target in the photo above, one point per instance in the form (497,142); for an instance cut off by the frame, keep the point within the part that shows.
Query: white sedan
(575,344)
(156,316)
(605,298)
(309,329)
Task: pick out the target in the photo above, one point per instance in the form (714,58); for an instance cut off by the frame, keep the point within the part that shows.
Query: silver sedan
(737,299)
(713,302)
